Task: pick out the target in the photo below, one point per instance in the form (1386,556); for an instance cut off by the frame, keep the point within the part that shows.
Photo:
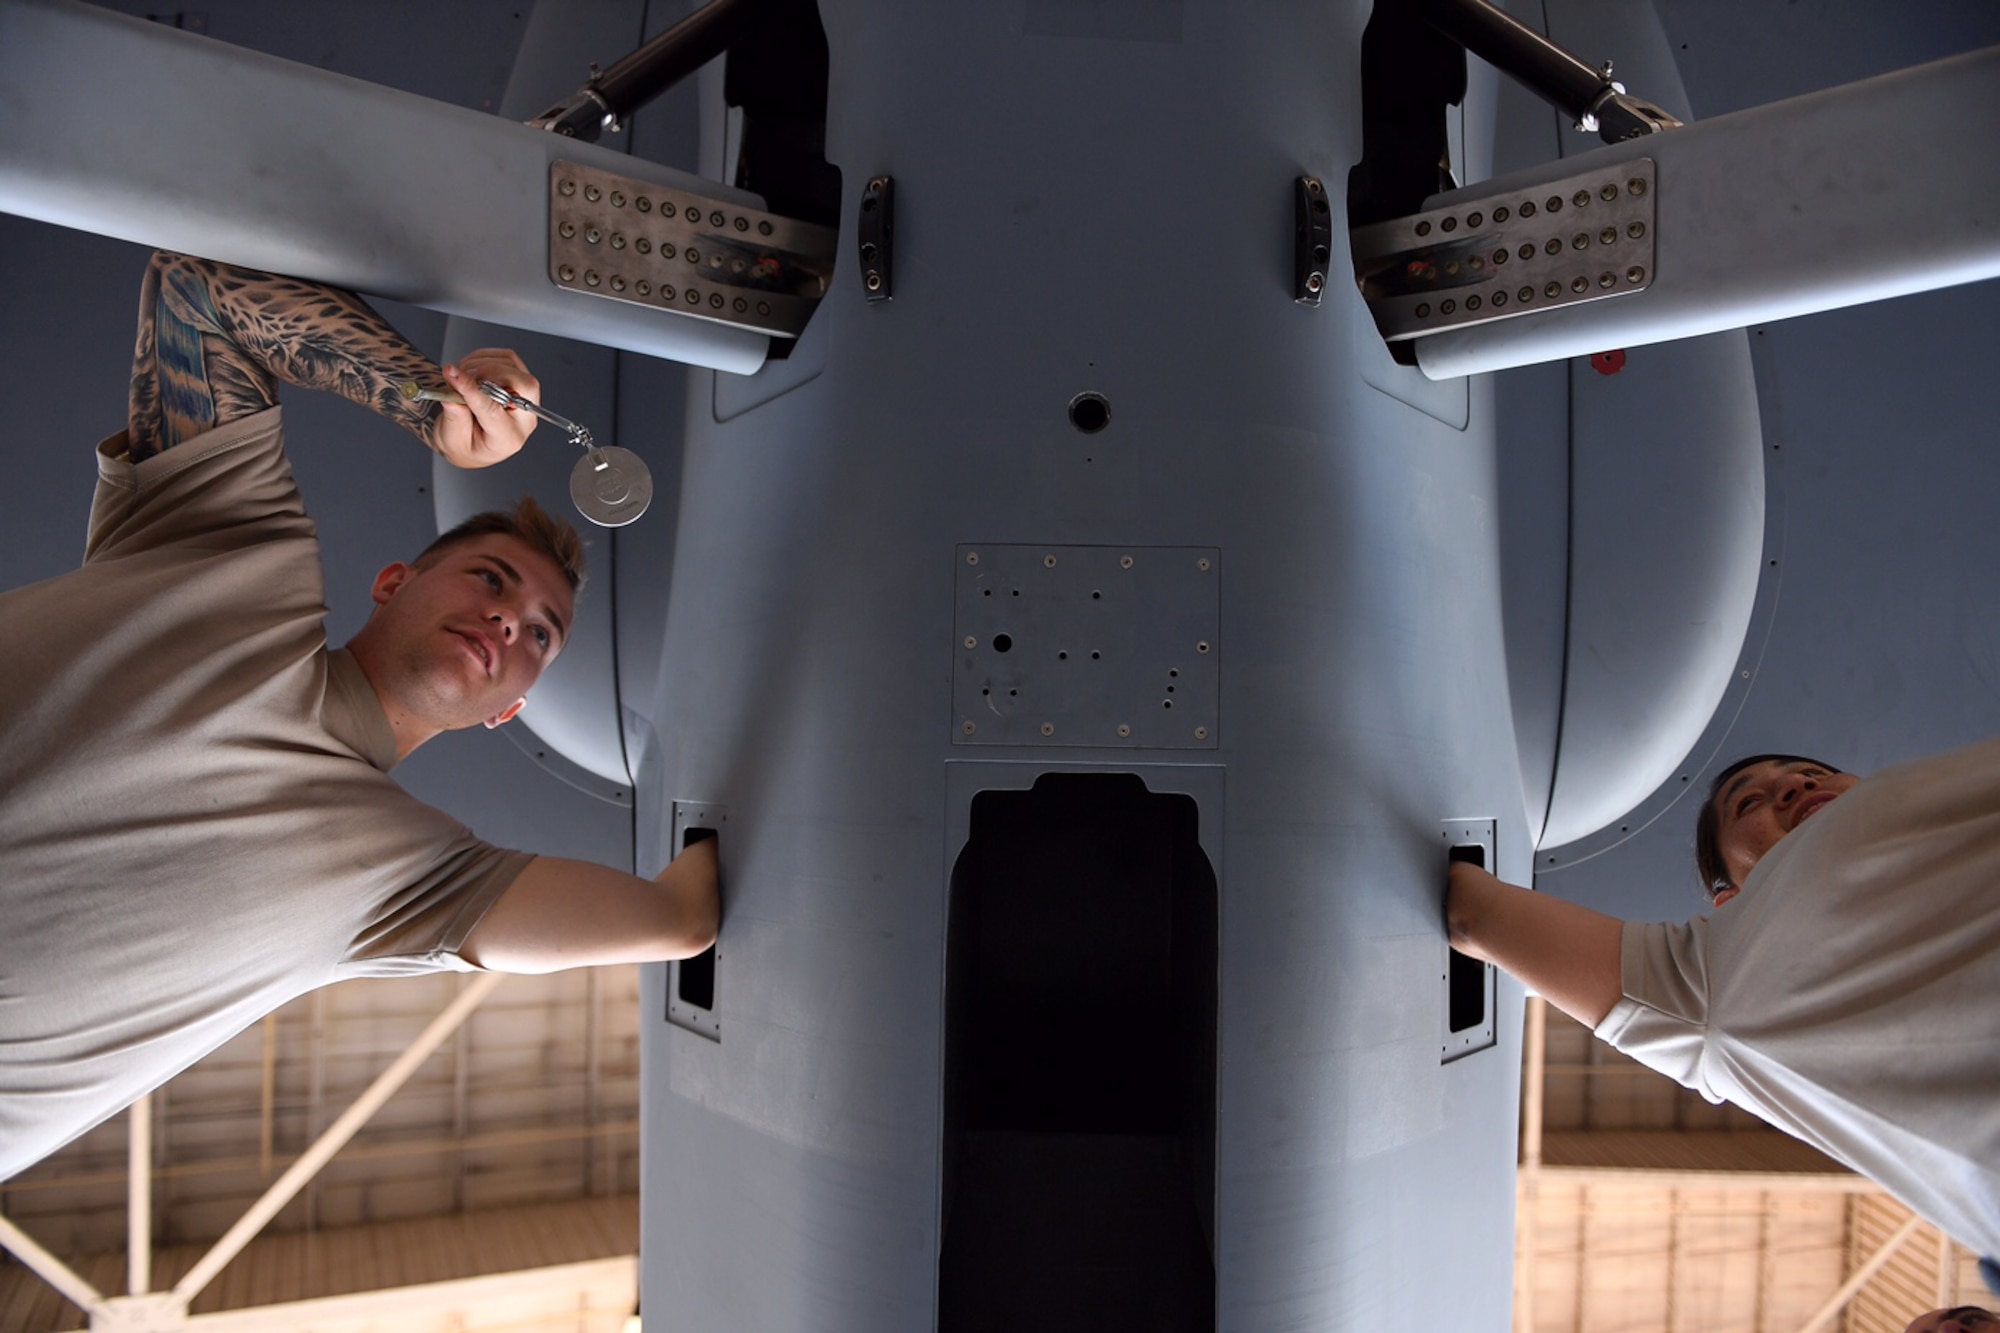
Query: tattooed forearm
(215,339)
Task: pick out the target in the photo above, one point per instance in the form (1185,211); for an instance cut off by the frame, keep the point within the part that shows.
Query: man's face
(464,635)
(1765,802)
(1959,1319)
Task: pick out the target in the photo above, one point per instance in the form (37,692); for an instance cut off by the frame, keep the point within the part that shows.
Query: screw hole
(1089,412)
(1003,643)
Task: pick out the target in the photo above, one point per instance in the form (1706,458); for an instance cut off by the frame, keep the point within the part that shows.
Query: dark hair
(528,522)
(1715,876)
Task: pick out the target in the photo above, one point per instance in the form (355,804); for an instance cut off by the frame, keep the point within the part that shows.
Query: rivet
(1423,229)
(590,277)
(1048,728)
(1499,256)
(617,283)
(1579,284)
(1124,730)
(1048,562)
(1449,224)
(592,193)
(741,305)
(1609,236)
(874,282)
(693,296)
(1580,241)
(617,241)
(1314,282)
(1580,198)
(1201,647)
(667,250)
(763,307)
(643,204)
(716,301)
(666,291)
(1527,208)
(618,199)
(743,224)
(1636,186)
(1746,675)
(666,208)
(593,235)
(968,728)
(566,189)
(1124,562)
(1608,193)
(1553,247)
(1499,299)
(1423,310)
(764,229)
(1472,303)
(972,641)
(1636,230)
(1201,733)
(566,230)
(643,287)
(1451,269)
(716,219)
(1607,281)
(567,273)
(1501,214)
(1635,274)
(1474,219)
(1202,564)
(1553,289)
(1553,203)
(1447,307)
(1525,294)
(1528,250)
(737,266)
(643,246)
(693,255)
(715,261)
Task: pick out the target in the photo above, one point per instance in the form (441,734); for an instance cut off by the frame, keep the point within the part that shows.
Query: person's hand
(482,432)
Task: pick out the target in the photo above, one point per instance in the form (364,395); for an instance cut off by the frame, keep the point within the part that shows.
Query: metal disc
(611,486)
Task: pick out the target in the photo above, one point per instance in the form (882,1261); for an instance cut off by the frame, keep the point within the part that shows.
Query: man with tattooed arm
(196,818)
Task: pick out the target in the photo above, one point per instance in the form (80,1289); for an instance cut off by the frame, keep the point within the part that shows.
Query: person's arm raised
(1566,953)
(561,913)
(214,340)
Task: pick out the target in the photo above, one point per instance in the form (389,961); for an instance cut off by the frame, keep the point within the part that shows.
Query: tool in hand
(610,486)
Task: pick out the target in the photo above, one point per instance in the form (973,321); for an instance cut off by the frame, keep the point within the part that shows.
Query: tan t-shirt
(196,820)
(1851,994)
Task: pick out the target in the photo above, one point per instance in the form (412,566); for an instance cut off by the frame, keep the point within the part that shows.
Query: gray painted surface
(792,1168)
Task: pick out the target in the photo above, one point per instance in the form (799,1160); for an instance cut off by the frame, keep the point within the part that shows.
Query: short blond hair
(527,522)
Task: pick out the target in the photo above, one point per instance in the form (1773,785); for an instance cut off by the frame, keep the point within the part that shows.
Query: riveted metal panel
(1088,645)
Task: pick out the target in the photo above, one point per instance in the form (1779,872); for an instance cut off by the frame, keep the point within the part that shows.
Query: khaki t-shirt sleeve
(229,488)
(1662,1021)
(422,927)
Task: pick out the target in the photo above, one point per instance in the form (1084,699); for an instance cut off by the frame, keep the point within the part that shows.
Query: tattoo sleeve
(214,341)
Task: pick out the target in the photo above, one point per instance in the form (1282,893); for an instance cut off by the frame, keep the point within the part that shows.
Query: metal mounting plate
(1584,238)
(631,240)
(1112,646)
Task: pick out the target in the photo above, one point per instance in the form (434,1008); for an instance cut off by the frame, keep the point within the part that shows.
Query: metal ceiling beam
(290,169)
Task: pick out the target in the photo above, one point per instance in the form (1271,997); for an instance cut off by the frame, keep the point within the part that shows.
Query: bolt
(1314,282)
(874,282)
